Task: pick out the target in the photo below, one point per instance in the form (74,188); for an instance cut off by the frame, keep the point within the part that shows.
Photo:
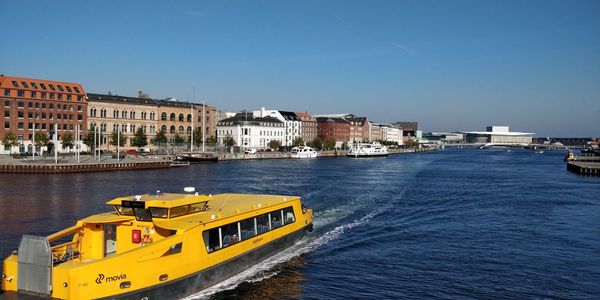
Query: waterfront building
(336,128)
(54,107)
(127,114)
(292,123)
(374,132)
(251,132)
(409,129)
(112,113)
(359,130)
(498,135)
(309,128)
(179,117)
(391,133)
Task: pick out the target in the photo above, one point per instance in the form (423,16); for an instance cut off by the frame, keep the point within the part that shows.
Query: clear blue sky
(451,65)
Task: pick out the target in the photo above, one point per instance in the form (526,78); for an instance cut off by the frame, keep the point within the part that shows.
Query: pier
(585,165)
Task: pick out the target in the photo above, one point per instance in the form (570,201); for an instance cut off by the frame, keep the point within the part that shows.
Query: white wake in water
(264,270)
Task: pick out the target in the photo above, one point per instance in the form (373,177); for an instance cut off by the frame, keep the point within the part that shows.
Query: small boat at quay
(196,158)
(156,246)
(368,150)
(303,152)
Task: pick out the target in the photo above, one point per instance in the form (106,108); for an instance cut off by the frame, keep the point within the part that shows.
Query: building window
(79,108)
(15,84)
(7,103)
(60,88)
(76,89)
(6,125)
(21,104)
(43,95)
(180,117)
(189,117)
(172,117)
(172,129)
(116,114)
(52,95)
(69,97)
(163,116)
(68,88)
(43,86)
(20,126)
(163,128)
(52,87)
(6,92)
(180,129)
(124,114)
(7,114)
(20,94)
(34,85)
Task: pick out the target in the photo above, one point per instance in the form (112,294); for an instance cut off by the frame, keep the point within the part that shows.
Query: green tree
(317,143)
(89,138)
(10,139)
(228,141)
(117,139)
(329,143)
(160,139)
(178,140)
(67,140)
(299,141)
(197,136)
(41,139)
(211,141)
(139,139)
(274,144)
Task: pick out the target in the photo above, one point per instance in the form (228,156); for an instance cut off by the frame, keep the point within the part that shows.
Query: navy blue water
(458,223)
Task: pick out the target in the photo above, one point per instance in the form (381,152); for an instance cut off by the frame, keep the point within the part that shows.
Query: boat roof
(219,206)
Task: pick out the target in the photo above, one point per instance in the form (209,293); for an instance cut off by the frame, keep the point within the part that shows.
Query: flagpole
(118,143)
(33,141)
(203,127)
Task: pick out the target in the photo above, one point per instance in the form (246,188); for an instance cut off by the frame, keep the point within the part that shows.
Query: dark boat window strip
(230,234)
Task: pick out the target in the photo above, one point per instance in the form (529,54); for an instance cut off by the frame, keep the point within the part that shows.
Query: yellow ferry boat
(156,246)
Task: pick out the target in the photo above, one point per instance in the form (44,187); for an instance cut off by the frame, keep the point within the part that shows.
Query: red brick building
(336,128)
(53,106)
(309,128)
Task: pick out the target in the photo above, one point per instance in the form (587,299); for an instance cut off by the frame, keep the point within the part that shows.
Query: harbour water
(457,223)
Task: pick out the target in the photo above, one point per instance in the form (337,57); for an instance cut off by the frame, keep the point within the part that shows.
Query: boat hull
(196,160)
(367,155)
(199,281)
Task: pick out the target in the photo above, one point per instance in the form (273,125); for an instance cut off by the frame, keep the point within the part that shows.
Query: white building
(391,134)
(292,123)
(498,135)
(249,131)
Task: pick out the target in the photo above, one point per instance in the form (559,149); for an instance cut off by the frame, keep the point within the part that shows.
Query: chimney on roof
(143,95)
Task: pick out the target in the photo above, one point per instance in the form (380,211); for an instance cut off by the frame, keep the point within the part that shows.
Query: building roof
(24,83)
(499,133)
(290,116)
(248,118)
(332,120)
(135,100)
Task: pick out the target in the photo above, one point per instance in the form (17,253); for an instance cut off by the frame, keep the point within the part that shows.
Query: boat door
(110,239)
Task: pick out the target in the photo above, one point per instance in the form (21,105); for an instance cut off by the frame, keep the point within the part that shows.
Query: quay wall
(584,168)
(80,168)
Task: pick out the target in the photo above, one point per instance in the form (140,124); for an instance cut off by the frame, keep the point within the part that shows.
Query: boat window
(212,239)
(262,224)
(230,234)
(288,215)
(248,229)
(276,219)
(158,212)
(142,214)
(110,239)
(197,207)
(179,211)
(174,249)
(125,211)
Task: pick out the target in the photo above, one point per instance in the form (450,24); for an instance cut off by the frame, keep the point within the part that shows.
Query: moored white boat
(368,150)
(303,152)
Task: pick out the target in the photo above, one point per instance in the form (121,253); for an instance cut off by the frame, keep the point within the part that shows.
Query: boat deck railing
(65,252)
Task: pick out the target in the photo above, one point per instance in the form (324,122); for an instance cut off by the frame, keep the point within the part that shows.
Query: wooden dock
(584,167)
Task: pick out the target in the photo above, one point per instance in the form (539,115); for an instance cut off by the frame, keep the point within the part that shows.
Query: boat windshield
(124,211)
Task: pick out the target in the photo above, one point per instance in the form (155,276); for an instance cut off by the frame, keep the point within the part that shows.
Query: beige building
(182,117)
(110,113)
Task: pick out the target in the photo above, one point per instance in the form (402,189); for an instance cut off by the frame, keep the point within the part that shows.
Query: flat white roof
(499,133)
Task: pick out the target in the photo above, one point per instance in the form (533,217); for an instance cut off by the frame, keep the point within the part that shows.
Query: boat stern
(9,273)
